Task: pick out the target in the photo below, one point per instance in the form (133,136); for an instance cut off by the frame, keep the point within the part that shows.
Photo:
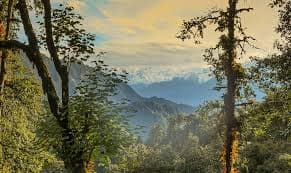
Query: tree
(100,130)
(66,42)
(188,143)
(274,70)
(156,135)
(5,34)
(267,126)
(225,66)
(132,158)
(266,136)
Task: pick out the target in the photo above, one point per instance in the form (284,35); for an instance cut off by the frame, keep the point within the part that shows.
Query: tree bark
(4,55)
(34,55)
(82,167)
(229,97)
(49,38)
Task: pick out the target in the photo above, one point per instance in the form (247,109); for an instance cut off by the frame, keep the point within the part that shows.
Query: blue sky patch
(100,39)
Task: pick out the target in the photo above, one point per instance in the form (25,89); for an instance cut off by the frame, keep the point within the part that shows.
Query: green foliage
(99,129)
(266,156)
(72,42)
(21,107)
(218,55)
(274,70)
(267,127)
(266,135)
(131,158)
(188,143)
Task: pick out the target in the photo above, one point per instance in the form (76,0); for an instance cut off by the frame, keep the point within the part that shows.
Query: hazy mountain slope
(187,90)
(148,111)
(145,111)
(153,110)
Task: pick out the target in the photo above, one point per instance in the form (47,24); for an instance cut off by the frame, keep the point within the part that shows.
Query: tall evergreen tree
(225,66)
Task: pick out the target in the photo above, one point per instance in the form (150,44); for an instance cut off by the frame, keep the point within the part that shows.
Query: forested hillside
(143,112)
(63,109)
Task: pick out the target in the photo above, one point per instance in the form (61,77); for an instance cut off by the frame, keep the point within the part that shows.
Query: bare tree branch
(199,24)
(244,10)
(13,44)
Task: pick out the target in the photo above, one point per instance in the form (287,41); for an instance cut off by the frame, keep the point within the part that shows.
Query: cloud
(140,34)
(147,75)
(152,54)
(76,4)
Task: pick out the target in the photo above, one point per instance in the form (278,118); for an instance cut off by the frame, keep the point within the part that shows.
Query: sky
(140,35)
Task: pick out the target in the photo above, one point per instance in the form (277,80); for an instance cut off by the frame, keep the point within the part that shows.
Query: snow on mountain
(148,75)
(191,89)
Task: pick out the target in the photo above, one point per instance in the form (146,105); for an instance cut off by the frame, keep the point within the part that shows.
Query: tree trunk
(60,111)
(34,55)
(3,71)
(63,119)
(231,133)
(80,167)
(4,53)
(77,169)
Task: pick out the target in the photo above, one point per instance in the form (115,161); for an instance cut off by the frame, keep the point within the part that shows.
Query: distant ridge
(185,90)
(147,111)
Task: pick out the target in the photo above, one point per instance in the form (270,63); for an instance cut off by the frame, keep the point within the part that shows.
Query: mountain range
(188,90)
(151,102)
(146,111)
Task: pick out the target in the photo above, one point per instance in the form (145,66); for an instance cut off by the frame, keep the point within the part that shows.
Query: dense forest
(52,123)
